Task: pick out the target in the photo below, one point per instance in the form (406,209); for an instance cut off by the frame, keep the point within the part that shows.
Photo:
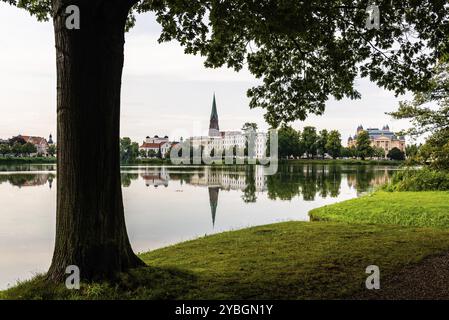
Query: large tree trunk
(90,226)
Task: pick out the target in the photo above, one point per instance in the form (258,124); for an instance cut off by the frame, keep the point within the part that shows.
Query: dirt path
(427,280)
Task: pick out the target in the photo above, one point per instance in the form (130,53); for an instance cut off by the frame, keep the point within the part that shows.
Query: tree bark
(90,223)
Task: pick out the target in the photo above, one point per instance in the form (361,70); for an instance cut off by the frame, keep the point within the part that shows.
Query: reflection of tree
(249,193)
(28,179)
(284,184)
(362,178)
(367,177)
(309,182)
(127,178)
(292,180)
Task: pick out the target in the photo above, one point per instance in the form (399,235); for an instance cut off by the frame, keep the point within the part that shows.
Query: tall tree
(333,145)
(322,142)
(249,126)
(428,120)
(303,51)
(28,148)
(363,145)
(51,150)
(288,142)
(309,139)
(396,154)
(4,149)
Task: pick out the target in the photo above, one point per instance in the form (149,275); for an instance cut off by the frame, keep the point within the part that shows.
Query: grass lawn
(291,260)
(417,209)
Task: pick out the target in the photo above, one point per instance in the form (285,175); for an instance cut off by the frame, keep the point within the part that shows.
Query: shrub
(419,180)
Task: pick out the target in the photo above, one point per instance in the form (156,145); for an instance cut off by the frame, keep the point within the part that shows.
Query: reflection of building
(230,180)
(227,140)
(156,177)
(384,139)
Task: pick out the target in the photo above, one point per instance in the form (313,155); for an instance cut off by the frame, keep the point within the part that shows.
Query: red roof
(34,140)
(152,145)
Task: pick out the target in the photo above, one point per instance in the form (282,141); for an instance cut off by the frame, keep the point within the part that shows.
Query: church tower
(214,129)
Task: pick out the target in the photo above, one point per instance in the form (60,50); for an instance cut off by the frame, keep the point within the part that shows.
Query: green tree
(51,150)
(129,150)
(309,140)
(152,153)
(412,150)
(28,148)
(288,142)
(307,52)
(363,147)
(322,142)
(17,149)
(4,149)
(333,145)
(143,153)
(435,121)
(249,126)
(396,154)
(378,152)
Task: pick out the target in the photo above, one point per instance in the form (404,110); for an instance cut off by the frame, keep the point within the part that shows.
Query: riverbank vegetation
(26,160)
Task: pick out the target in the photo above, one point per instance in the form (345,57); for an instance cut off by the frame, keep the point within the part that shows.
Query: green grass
(417,209)
(292,260)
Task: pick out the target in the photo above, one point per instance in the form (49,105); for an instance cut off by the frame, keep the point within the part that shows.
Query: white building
(228,140)
(157,144)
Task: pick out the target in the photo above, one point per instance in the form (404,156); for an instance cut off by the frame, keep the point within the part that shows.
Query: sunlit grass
(418,209)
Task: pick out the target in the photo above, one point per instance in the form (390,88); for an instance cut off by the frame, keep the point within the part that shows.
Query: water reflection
(28,179)
(307,181)
(166,205)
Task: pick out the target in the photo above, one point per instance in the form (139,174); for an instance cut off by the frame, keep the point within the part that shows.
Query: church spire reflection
(213,201)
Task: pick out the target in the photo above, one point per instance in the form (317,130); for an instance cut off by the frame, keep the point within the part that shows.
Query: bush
(419,180)
(396,154)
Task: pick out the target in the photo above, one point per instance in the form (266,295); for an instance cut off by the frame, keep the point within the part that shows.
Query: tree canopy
(431,120)
(304,52)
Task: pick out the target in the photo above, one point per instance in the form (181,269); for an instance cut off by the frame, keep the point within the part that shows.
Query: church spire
(214,129)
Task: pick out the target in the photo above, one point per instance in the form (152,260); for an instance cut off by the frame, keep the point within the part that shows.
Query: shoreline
(159,162)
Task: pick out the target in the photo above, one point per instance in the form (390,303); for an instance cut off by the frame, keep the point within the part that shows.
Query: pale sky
(165,92)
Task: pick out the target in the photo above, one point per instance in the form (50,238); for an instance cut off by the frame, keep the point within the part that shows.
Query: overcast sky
(164,92)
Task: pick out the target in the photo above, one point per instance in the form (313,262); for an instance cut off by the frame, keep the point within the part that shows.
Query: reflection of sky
(155,216)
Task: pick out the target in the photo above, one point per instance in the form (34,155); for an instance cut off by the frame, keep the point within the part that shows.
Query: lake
(166,205)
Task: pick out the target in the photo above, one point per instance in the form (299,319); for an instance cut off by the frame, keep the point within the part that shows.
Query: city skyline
(168,94)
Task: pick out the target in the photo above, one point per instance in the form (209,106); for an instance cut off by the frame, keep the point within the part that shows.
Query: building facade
(157,144)
(223,141)
(40,143)
(384,139)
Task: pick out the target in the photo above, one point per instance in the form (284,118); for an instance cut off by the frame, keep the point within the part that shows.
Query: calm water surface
(166,205)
